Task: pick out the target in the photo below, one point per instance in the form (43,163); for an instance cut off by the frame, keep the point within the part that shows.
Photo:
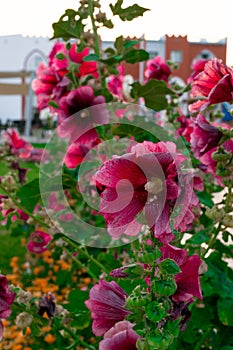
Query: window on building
(176,56)
(153,54)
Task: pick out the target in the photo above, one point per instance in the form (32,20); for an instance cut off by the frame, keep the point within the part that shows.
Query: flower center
(84,114)
(154,186)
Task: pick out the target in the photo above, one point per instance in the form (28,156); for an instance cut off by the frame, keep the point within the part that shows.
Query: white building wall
(19,53)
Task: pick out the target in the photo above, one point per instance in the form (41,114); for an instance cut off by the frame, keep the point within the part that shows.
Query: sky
(199,19)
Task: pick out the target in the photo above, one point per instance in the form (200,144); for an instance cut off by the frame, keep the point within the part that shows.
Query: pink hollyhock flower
(87,110)
(186,127)
(52,81)
(106,303)
(6,211)
(158,69)
(204,136)
(72,55)
(148,180)
(213,85)
(197,67)
(115,83)
(22,148)
(77,151)
(121,336)
(208,164)
(6,300)
(18,145)
(188,280)
(38,242)
(53,204)
(45,83)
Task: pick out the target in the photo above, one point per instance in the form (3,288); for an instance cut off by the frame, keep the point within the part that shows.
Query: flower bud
(155,311)
(23,320)
(228,221)
(215,213)
(165,287)
(160,339)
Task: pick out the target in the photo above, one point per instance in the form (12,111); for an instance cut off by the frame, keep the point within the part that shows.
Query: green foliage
(128,13)
(154,92)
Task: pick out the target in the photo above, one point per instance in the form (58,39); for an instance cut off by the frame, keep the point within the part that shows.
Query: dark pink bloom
(213,85)
(204,136)
(78,100)
(121,336)
(148,180)
(85,111)
(6,300)
(186,127)
(38,242)
(158,69)
(106,303)
(188,280)
(197,67)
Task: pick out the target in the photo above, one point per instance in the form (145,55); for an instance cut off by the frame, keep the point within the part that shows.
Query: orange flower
(49,338)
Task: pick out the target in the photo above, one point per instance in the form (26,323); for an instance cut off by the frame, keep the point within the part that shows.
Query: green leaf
(76,300)
(82,320)
(205,198)
(29,194)
(225,307)
(134,56)
(198,238)
(154,93)
(128,13)
(168,266)
(91,57)
(68,27)
(60,56)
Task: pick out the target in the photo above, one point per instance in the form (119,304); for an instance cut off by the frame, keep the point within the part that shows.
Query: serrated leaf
(169,266)
(154,93)
(68,28)
(225,307)
(135,55)
(128,13)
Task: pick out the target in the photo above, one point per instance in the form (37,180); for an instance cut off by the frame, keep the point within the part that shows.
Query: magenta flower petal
(177,254)
(214,84)
(106,303)
(121,336)
(188,281)
(38,242)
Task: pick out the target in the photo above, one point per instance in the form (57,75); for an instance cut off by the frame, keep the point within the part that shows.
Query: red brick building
(181,51)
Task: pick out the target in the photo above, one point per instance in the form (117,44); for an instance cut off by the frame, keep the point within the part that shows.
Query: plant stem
(96,40)
(77,340)
(212,240)
(197,347)
(20,206)
(85,252)
(82,266)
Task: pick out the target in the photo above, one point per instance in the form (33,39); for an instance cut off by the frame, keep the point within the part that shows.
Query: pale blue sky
(209,19)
